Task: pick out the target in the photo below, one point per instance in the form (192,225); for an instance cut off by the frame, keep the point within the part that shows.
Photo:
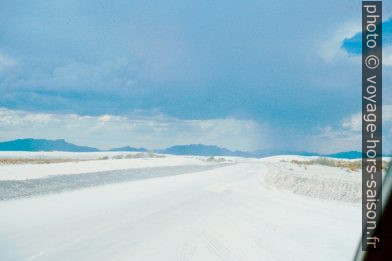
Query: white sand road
(226,213)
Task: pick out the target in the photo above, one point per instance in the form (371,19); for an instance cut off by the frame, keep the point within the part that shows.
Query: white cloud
(331,48)
(387,55)
(6,61)
(348,136)
(354,122)
(154,131)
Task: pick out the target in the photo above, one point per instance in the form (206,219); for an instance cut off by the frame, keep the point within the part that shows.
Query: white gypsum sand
(315,180)
(226,213)
(34,171)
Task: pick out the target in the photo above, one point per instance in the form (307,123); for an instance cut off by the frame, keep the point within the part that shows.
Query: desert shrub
(350,165)
(16,161)
(151,154)
(140,155)
(213,159)
(135,155)
(386,166)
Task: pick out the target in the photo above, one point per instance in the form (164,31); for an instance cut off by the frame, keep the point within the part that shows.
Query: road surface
(226,213)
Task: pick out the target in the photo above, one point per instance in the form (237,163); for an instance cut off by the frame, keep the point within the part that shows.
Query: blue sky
(258,74)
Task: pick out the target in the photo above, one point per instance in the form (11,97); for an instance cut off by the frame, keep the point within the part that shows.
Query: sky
(243,75)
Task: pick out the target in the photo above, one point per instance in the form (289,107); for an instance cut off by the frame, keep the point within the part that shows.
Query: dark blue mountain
(211,150)
(191,149)
(346,155)
(42,145)
(128,148)
(203,150)
(351,155)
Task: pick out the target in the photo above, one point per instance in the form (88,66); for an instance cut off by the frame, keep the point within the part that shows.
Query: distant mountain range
(130,149)
(42,145)
(192,149)
(349,155)
(203,150)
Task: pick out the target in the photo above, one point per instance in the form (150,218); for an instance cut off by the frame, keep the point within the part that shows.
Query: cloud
(155,130)
(345,44)
(352,42)
(354,122)
(6,62)
(331,48)
(202,65)
(182,58)
(348,135)
(387,55)
(151,131)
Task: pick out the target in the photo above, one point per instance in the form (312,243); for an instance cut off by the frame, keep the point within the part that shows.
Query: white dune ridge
(317,181)
(193,209)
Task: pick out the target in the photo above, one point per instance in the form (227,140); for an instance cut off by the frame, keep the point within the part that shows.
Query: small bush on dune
(134,156)
(140,155)
(17,161)
(350,165)
(213,159)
